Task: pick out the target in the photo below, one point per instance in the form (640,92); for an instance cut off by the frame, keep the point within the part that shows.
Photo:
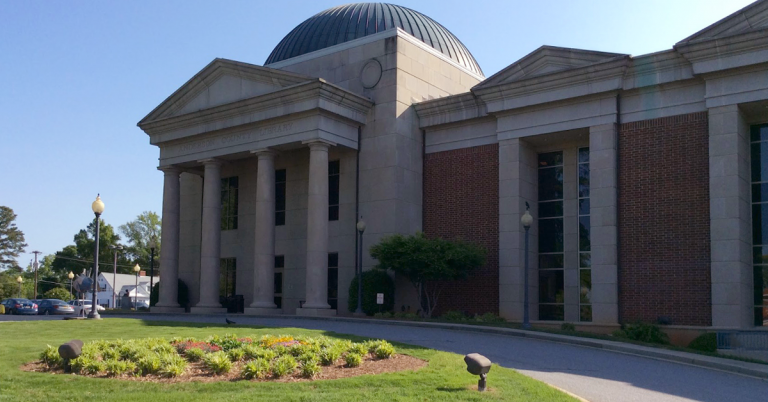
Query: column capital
(319,144)
(265,153)
(170,169)
(211,162)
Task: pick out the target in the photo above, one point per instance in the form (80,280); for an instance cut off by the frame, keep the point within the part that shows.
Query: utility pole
(35,265)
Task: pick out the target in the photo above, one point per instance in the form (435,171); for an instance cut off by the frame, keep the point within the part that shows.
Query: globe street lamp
(136,269)
(19,280)
(152,245)
(526,220)
(360,230)
(70,276)
(114,248)
(97,207)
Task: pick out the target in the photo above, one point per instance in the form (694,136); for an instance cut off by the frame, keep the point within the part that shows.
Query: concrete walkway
(594,374)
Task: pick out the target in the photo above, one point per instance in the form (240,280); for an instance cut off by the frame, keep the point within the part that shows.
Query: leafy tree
(138,233)
(374,281)
(79,256)
(58,293)
(11,239)
(428,262)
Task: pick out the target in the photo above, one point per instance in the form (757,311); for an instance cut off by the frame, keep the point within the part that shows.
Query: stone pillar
(169,252)
(604,232)
(317,233)
(264,245)
(518,181)
(210,250)
(730,218)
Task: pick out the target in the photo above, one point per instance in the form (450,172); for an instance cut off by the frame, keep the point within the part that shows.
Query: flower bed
(269,358)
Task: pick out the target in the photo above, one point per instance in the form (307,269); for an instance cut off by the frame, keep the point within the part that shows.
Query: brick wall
(663,203)
(461,200)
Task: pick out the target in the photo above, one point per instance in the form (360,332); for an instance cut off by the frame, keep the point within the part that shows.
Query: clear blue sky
(78,75)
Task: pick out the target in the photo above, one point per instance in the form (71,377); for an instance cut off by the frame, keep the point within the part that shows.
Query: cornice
(316,94)
(731,52)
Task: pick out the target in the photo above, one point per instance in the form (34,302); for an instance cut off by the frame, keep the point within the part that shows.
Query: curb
(733,366)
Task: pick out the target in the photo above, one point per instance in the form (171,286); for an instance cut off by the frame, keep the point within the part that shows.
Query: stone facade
(661,232)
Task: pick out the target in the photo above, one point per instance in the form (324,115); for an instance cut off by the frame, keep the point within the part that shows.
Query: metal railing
(743,340)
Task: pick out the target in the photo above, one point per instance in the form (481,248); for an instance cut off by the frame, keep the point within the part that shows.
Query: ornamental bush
(310,368)
(217,363)
(704,343)
(172,365)
(642,332)
(149,365)
(235,355)
(116,368)
(353,359)
(283,365)
(258,368)
(330,355)
(194,354)
(58,293)
(374,281)
(51,358)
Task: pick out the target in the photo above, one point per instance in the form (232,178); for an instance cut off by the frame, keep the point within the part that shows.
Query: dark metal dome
(352,21)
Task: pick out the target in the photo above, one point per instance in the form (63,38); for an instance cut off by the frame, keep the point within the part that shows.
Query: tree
(374,281)
(58,293)
(428,262)
(79,256)
(138,233)
(11,239)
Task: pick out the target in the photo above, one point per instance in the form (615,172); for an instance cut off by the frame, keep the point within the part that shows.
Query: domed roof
(352,21)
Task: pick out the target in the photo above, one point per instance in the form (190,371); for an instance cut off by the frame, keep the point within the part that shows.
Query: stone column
(264,245)
(518,181)
(210,249)
(169,252)
(730,218)
(317,233)
(603,232)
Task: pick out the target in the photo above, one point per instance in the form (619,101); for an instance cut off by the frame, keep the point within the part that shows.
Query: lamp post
(136,269)
(360,230)
(98,207)
(19,280)
(152,245)
(526,220)
(70,276)
(114,271)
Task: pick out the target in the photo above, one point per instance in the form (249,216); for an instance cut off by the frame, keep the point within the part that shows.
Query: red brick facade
(664,254)
(461,200)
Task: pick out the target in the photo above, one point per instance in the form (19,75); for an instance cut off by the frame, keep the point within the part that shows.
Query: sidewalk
(717,363)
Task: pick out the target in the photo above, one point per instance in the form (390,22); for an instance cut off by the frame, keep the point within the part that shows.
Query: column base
(208,310)
(166,310)
(315,312)
(262,311)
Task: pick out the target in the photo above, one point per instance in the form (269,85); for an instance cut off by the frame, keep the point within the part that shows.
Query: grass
(445,378)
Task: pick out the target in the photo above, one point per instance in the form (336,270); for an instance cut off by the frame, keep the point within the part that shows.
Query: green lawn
(445,378)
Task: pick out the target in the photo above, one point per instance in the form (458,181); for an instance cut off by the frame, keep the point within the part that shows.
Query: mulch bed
(196,371)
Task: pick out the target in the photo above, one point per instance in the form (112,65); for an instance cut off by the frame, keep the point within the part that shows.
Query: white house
(117,284)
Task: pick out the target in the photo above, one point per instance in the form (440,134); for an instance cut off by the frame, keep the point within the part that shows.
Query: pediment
(220,82)
(753,17)
(547,60)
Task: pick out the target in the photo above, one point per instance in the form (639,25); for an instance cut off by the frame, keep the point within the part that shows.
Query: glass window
(550,209)
(551,257)
(585,244)
(551,235)
(227,277)
(551,286)
(333,280)
(551,183)
(229,201)
(550,261)
(279,267)
(280,182)
(333,190)
(584,226)
(759,147)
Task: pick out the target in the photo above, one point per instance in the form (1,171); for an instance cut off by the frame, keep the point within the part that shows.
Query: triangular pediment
(753,17)
(220,82)
(546,60)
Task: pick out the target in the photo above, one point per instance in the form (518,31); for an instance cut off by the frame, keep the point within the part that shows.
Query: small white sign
(379,298)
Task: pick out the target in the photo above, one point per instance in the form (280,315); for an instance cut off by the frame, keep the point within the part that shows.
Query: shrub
(454,316)
(117,368)
(258,368)
(374,281)
(358,348)
(110,354)
(235,355)
(194,354)
(58,293)
(172,365)
(217,362)
(385,350)
(642,332)
(93,367)
(386,314)
(489,318)
(353,359)
(206,347)
(567,326)
(329,356)
(406,316)
(51,358)
(283,365)
(253,352)
(79,364)
(310,368)
(704,343)
(182,298)
(149,365)
(226,343)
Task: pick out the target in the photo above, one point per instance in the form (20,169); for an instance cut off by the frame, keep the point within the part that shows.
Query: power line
(91,262)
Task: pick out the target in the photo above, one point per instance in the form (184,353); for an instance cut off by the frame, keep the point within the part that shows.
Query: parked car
(54,306)
(19,306)
(82,304)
